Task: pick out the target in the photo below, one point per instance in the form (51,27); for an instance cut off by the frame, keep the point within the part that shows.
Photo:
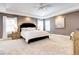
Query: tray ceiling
(38,10)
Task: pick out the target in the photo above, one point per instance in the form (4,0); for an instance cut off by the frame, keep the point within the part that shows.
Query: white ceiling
(33,9)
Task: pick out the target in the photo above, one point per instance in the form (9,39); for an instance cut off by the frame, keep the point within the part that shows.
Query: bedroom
(52,29)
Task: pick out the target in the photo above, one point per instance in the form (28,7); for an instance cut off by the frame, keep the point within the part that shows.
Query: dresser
(76,43)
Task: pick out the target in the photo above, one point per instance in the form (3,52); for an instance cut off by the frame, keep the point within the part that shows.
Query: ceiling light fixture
(43,6)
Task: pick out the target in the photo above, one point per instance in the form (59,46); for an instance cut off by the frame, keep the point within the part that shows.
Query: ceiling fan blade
(43,6)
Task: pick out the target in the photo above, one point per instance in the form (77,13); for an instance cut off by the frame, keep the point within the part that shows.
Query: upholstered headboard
(26,25)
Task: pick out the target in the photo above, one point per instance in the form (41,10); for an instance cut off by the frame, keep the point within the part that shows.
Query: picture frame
(60,22)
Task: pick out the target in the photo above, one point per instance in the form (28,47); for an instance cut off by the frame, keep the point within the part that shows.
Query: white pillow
(72,33)
(28,29)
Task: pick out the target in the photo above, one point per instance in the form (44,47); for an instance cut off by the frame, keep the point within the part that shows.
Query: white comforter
(33,34)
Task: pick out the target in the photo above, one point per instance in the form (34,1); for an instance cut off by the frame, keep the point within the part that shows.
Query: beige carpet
(56,45)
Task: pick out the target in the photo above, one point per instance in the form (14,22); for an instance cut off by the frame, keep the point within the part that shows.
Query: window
(44,25)
(47,25)
(40,24)
(11,24)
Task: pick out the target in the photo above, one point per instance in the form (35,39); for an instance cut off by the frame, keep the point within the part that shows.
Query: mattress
(28,35)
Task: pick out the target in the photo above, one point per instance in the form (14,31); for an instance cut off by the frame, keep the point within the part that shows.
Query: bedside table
(15,35)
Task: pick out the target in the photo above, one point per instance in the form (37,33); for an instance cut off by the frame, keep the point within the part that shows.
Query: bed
(30,33)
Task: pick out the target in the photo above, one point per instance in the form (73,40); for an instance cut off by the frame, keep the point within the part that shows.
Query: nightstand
(15,35)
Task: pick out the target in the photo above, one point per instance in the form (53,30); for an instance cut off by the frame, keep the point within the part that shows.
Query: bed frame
(26,25)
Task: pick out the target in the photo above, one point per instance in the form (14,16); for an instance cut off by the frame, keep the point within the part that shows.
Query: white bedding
(33,34)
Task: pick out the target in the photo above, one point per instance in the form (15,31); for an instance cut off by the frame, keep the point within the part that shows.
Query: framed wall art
(59,22)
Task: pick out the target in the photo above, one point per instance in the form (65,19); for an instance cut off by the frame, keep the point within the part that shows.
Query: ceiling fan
(43,6)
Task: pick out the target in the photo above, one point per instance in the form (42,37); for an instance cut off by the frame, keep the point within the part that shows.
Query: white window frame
(40,24)
(47,25)
(5,33)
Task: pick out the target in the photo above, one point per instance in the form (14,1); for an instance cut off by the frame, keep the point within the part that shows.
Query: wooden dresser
(76,43)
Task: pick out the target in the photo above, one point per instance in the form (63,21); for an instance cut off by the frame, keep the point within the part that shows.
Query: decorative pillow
(28,29)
